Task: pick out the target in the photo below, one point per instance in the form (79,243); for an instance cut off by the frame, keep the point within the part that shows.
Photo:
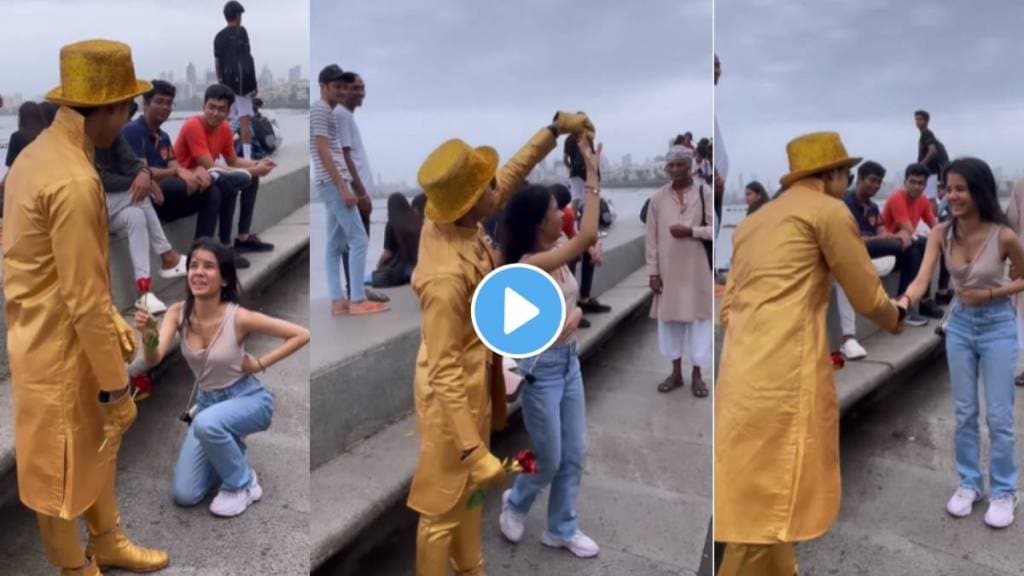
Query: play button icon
(518,311)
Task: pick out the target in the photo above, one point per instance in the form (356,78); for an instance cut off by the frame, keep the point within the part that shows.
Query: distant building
(190,74)
(211,77)
(295,74)
(266,79)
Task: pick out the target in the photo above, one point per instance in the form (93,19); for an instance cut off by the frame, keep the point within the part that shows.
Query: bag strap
(703,205)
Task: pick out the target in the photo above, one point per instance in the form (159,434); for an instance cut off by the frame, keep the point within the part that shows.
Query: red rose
(528,461)
(143,383)
(838,361)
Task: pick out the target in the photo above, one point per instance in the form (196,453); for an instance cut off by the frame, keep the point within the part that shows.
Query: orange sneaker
(367,307)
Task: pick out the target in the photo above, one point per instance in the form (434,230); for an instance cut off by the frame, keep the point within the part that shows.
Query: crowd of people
(471,218)
(76,179)
(946,221)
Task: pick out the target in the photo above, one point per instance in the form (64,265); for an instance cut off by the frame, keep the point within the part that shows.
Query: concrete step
(290,237)
(352,491)
(360,385)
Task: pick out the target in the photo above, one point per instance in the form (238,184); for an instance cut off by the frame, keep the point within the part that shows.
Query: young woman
(231,402)
(981,332)
(401,244)
(553,404)
(755,196)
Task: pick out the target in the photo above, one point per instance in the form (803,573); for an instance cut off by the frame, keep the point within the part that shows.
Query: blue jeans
(345,231)
(554,413)
(214,448)
(983,338)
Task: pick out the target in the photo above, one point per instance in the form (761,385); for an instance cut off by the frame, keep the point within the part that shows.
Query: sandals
(699,388)
(670,384)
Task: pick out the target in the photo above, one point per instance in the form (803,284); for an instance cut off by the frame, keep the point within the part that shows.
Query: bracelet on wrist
(260,364)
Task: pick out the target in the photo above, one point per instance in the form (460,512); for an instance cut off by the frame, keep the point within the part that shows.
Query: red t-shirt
(195,140)
(899,208)
(568,221)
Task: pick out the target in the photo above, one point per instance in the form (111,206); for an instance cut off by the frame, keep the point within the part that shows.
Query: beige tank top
(987,270)
(219,365)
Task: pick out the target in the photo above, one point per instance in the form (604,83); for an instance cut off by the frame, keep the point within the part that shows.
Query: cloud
(163,36)
(863,68)
(495,72)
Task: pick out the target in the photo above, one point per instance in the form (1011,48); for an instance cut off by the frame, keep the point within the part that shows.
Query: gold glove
(118,418)
(569,123)
(485,470)
(125,336)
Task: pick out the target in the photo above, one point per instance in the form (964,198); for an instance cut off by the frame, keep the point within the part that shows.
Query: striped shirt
(322,123)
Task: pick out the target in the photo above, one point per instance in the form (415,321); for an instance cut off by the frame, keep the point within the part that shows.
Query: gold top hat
(96,73)
(815,153)
(454,177)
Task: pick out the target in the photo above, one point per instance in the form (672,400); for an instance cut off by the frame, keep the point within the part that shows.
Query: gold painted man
(776,412)
(67,343)
(458,388)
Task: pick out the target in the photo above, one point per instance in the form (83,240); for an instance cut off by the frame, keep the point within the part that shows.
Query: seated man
(186,192)
(904,211)
(207,137)
(129,188)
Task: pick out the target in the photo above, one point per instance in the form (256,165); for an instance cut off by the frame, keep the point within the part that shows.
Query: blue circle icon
(518,311)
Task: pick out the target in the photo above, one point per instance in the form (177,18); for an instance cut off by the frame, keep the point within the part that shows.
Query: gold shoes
(114,550)
(91,570)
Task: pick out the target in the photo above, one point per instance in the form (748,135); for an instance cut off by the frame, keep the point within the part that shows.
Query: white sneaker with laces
(230,503)
(511,521)
(179,270)
(580,544)
(153,304)
(1000,511)
(962,502)
(852,350)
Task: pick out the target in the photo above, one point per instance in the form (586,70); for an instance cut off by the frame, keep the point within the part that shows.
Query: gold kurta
(776,413)
(453,368)
(62,339)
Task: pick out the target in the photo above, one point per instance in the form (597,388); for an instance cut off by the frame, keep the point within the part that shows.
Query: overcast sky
(163,36)
(494,72)
(862,68)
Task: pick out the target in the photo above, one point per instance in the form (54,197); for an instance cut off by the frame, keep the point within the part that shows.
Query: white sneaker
(884,265)
(580,544)
(1000,511)
(962,502)
(152,303)
(229,503)
(852,350)
(179,270)
(510,520)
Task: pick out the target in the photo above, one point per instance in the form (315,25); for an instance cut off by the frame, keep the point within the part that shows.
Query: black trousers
(587,279)
(212,206)
(908,261)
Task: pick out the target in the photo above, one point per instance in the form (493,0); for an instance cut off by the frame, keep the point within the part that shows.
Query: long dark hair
(230,289)
(406,225)
(762,196)
(981,184)
(523,215)
(30,119)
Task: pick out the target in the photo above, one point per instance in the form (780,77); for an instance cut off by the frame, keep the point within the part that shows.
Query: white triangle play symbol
(518,311)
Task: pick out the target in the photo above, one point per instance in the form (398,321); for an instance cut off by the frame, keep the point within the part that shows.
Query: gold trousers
(759,560)
(60,537)
(451,538)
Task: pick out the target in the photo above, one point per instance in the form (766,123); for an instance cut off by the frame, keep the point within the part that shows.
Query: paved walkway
(898,472)
(646,491)
(272,536)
